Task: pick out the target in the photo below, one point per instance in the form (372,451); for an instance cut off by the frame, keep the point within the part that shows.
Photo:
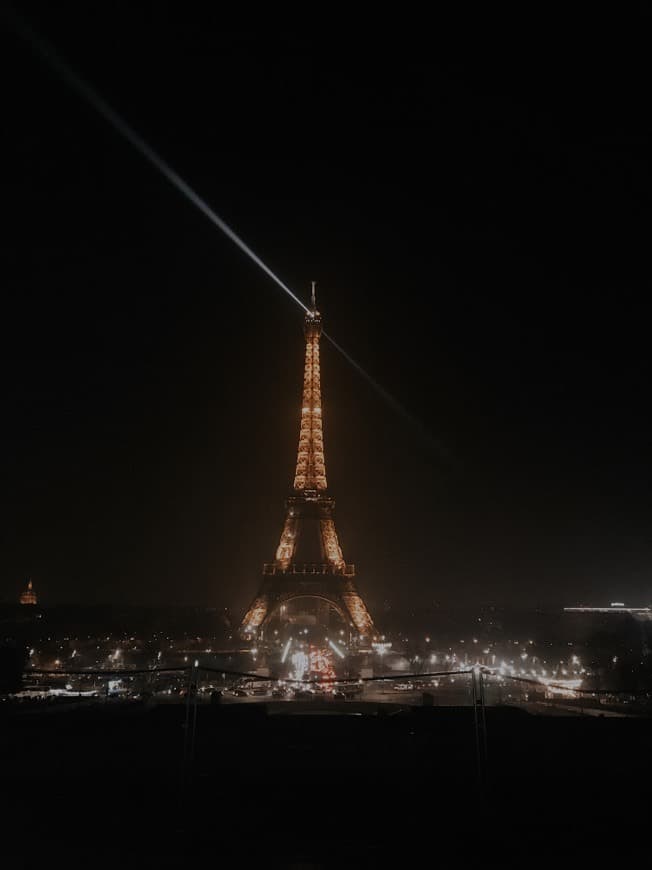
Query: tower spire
(311,466)
(313,303)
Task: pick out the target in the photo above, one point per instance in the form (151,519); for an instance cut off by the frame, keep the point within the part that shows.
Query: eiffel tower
(309,508)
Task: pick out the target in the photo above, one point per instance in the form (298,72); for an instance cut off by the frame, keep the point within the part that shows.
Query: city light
(381,647)
(301,663)
(321,663)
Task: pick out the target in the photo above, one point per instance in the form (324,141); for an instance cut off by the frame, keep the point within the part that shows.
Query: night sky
(472,196)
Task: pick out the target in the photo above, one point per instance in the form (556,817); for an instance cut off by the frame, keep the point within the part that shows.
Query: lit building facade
(28,596)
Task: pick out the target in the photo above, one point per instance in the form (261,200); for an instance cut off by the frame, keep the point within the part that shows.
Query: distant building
(615,620)
(616,607)
(28,596)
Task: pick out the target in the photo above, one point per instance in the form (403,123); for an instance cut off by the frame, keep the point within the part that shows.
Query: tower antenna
(312,297)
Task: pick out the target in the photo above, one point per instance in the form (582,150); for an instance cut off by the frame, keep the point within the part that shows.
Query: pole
(474,701)
(195,693)
(483,708)
(186,727)
(477,694)
(186,752)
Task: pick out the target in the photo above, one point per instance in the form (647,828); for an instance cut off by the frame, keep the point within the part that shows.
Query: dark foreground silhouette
(113,785)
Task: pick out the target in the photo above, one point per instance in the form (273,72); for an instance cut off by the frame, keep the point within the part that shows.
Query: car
(240,693)
(339,695)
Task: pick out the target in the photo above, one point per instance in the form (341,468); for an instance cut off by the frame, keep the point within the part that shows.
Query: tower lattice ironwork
(330,578)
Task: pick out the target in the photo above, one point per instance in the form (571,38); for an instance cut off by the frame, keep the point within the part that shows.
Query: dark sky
(472,196)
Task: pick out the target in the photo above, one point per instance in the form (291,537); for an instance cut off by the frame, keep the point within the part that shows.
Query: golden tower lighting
(332,579)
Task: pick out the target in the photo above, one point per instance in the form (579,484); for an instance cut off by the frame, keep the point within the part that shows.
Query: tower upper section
(311,466)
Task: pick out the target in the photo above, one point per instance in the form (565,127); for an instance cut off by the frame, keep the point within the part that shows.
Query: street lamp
(381,648)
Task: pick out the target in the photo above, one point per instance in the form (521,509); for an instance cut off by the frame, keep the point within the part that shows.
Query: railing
(304,568)
(477,687)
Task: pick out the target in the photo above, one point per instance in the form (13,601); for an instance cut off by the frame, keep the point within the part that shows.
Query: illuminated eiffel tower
(309,509)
